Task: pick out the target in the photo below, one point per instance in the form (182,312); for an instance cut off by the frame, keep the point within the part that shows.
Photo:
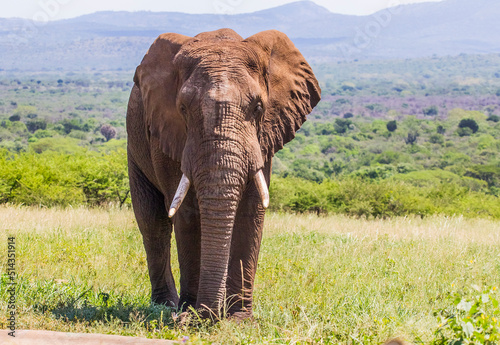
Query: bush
(472,318)
(388,157)
(43,133)
(375,172)
(431,111)
(465,132)
(60,179)
(34,125)
(58,144)
(380,198)
(436,139)
(108,132)
(69,125)
(488,173)
(342,125)
(493,118)
(411,138)
(469,123)
(392,126)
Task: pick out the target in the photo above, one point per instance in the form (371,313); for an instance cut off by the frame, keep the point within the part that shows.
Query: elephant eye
(258,110)
(183,109)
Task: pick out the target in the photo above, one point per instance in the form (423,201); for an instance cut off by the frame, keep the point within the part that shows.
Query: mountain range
(118,40)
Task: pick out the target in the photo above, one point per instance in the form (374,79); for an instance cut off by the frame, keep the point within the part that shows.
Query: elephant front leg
(156,229)
(188,238)
(245,247)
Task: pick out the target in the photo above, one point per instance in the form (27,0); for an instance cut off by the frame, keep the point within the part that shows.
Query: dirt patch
(29,337)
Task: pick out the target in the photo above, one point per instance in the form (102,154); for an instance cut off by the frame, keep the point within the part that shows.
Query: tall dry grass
(320,279)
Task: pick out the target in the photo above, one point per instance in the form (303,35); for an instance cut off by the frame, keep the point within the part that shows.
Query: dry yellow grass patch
(19,219)
(32,219)
(436,227)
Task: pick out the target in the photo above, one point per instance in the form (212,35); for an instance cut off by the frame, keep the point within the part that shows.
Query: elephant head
(223,106)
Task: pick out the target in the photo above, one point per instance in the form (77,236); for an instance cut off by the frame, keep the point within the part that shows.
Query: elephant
(205,116)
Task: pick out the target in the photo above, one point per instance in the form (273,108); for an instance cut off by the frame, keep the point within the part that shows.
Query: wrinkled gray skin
(215,108)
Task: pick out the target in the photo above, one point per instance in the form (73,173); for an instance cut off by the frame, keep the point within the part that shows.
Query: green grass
(320,279)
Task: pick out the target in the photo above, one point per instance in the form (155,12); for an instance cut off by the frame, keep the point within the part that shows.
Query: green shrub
(384,198)
(15,118)
(425,178)
(465,132)
(469,123)
(375,172)
(472,318)
(34,125)
(58,144)
(431,111)
(436,139)
(61,179)
(392,126)
(488,173)
(493,118)
(44,133)
(342,125)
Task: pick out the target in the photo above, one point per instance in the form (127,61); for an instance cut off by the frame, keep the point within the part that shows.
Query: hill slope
(111,40)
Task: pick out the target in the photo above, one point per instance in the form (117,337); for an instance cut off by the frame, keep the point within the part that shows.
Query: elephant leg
(188,237)
(156,229)
(245,246)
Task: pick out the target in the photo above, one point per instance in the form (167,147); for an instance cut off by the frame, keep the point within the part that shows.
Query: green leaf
(468,329)
(464,305)
(494,302)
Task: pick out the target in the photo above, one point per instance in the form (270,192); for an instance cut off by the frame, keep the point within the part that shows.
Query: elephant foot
(193,318)
(240,316)
(165,299)
(185,302)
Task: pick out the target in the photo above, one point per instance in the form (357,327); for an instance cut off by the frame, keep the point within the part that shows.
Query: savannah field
(321,279)
(384,219)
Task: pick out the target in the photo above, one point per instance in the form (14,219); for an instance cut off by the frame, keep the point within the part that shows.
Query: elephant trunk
(219,185)
(217,220)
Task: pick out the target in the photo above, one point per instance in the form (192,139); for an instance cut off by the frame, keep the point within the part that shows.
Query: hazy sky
(43,10)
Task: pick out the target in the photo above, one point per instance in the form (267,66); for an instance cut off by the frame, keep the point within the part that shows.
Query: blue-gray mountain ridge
(118,40)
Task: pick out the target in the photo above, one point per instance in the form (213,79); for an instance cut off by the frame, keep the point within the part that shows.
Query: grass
(320,279)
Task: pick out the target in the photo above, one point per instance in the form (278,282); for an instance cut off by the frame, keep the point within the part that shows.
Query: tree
(348,115)
(493,118)
(342,125)
(26,111)
(411,139)
(34,125)
(469,123)
(465,132)
(392,126)
(70,125)
(431,111)
(436,138)
(14,118)
(108,131)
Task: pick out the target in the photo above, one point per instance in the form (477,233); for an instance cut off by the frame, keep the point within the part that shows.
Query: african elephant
(204,119)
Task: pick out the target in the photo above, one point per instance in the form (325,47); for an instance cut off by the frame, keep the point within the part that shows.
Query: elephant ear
(157,80)
(293,90)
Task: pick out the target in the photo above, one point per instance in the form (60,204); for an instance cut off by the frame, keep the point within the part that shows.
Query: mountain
(113,40)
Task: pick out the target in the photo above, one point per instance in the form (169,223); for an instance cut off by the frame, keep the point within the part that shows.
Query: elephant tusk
(179,195)
(261,184)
